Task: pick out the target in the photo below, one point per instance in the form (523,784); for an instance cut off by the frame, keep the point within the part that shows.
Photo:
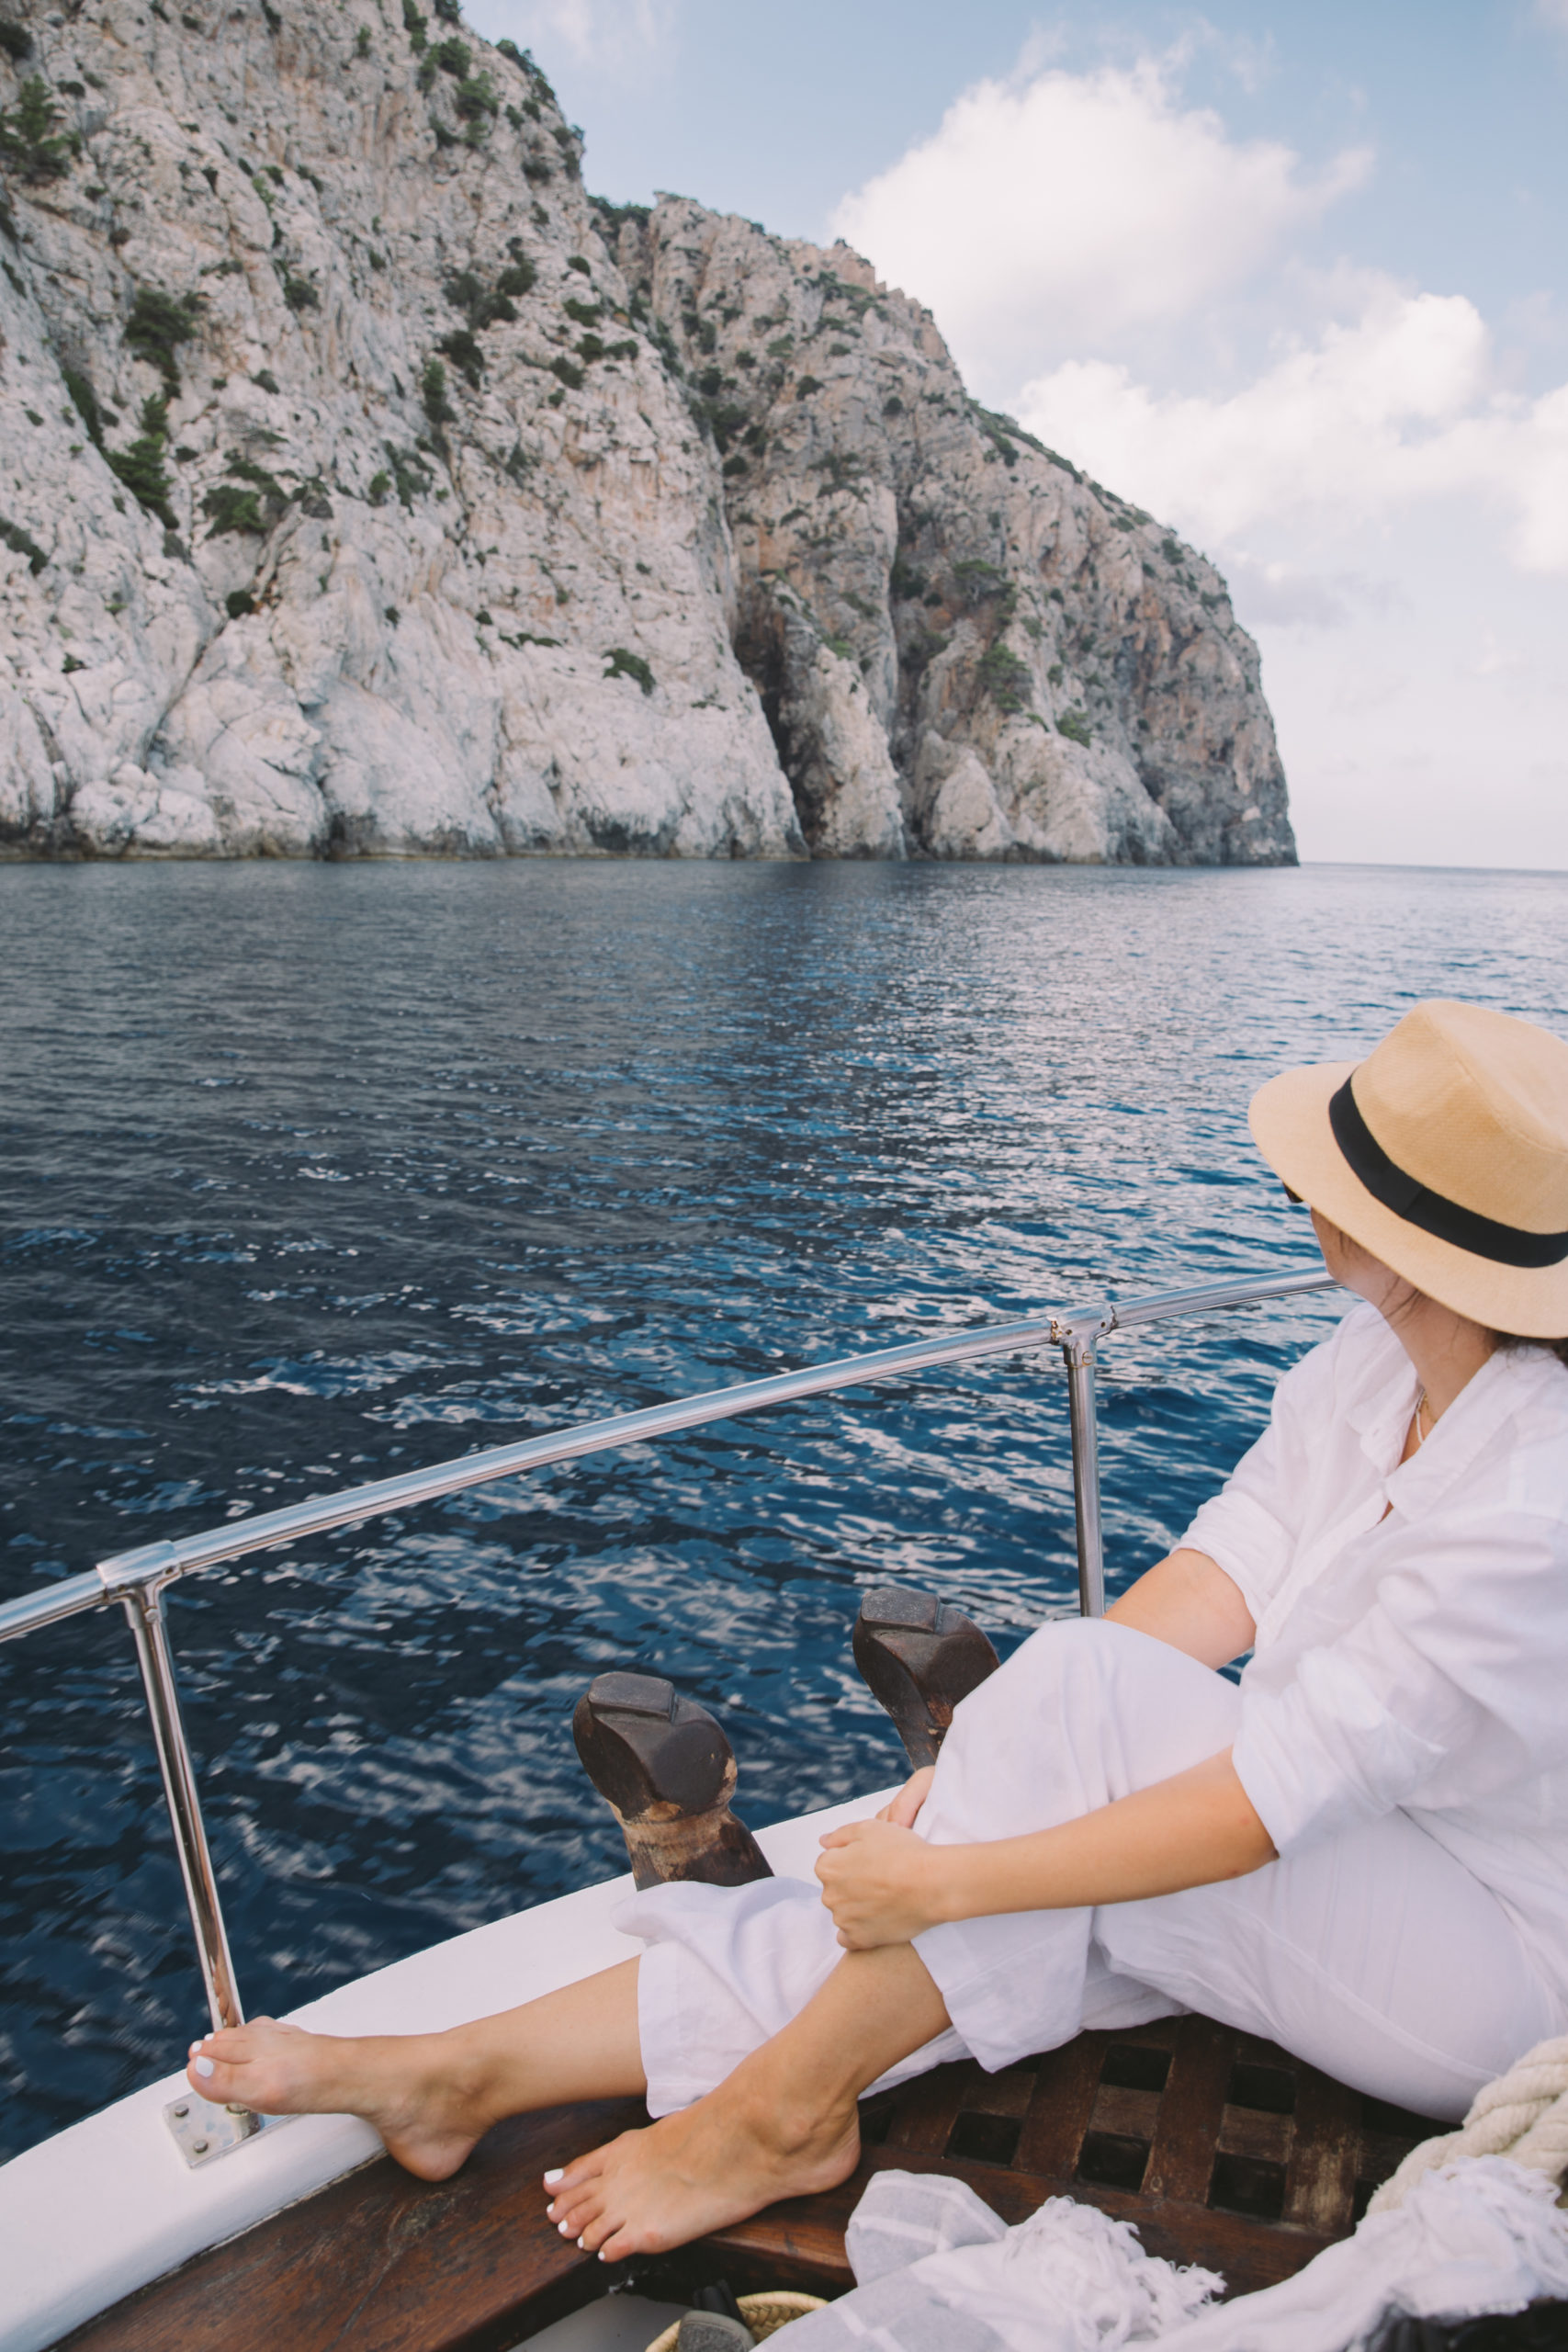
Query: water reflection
(316,1173)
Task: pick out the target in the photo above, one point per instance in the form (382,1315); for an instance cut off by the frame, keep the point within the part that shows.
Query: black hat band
(1482,1237)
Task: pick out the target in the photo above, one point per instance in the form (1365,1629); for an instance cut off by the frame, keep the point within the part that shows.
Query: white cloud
(1393,408)
(1283,594)
(1057,211)
(1386,501)
(609,34)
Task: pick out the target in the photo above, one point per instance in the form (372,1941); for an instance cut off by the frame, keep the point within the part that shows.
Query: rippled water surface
(315,1172)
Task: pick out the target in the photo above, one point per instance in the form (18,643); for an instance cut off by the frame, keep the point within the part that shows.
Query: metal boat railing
(139,1579)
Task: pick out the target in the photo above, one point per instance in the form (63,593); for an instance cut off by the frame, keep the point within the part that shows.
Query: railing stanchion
(1078,1355)
(145,1608)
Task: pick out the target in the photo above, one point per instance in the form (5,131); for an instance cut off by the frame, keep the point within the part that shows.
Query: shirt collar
(1380,1407)
(1473,1418)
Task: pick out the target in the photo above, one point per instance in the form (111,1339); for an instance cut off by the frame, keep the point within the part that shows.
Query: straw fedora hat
(1445,1153)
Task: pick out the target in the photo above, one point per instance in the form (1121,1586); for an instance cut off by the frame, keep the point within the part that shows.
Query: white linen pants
(1373,1954)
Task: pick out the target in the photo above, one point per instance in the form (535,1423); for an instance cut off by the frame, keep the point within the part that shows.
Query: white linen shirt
(1416,1660)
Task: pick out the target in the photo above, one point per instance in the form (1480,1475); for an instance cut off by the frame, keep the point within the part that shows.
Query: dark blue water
(314,1173)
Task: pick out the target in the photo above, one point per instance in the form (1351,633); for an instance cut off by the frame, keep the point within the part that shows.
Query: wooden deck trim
(380,2262)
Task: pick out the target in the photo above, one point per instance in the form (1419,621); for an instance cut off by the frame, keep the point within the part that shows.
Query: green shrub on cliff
(22,542)
(232,509)
(254,509)
(613,218)
(412,480)
(157,326)
(979,579)
(623,664)
(466,291)
(476,105)
(1005,679)
(432,395)
(463,351)
(85,402)
(1074,726)
(141,466)
(28,137)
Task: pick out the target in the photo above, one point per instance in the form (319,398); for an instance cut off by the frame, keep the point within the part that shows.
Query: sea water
(312,1174)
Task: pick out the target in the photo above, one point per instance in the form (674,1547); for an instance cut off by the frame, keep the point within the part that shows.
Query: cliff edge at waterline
(366,487)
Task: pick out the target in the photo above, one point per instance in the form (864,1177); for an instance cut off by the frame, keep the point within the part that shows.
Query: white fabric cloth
(1420,1660)
(1372,1955)
(936,2271)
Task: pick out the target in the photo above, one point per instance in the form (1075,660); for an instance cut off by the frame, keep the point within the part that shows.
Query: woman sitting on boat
(1360,1852)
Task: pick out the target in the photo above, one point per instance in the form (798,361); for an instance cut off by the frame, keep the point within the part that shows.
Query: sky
(1294,278)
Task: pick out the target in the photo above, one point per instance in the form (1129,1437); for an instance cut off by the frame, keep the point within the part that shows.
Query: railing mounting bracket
(203,2131)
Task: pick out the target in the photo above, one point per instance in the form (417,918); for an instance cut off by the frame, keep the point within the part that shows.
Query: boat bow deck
(1223,2150)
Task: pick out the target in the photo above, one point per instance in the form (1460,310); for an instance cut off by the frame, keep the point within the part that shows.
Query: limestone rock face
(367,488)
(1055,675)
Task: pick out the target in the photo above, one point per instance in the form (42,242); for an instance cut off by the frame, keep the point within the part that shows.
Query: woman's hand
(904,1810)
(881,1882)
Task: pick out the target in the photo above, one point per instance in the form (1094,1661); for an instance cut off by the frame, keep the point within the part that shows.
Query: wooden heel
(665,1770)
(920,1656)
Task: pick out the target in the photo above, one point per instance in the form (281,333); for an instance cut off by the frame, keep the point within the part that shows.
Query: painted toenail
(565,2228)
(551,2178)
(204,2067)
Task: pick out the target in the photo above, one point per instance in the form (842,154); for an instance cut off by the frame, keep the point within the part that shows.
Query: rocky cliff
(368,487)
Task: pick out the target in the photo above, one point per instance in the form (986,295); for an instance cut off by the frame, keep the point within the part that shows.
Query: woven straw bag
(763,2315)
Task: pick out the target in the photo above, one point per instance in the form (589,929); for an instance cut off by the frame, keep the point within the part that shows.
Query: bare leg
(431,2095)
(784,2124)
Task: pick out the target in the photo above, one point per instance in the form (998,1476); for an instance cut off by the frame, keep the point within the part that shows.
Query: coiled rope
(1523,2115)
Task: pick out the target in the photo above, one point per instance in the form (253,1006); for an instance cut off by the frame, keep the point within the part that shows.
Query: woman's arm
(1187,1600)
(883,1884)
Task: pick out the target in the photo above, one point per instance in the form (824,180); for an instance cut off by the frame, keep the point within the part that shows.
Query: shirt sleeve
(1448,1689)
(1249,1527)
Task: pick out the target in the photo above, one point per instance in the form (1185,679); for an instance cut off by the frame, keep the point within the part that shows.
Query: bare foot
(715,2163)
(410,2086)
